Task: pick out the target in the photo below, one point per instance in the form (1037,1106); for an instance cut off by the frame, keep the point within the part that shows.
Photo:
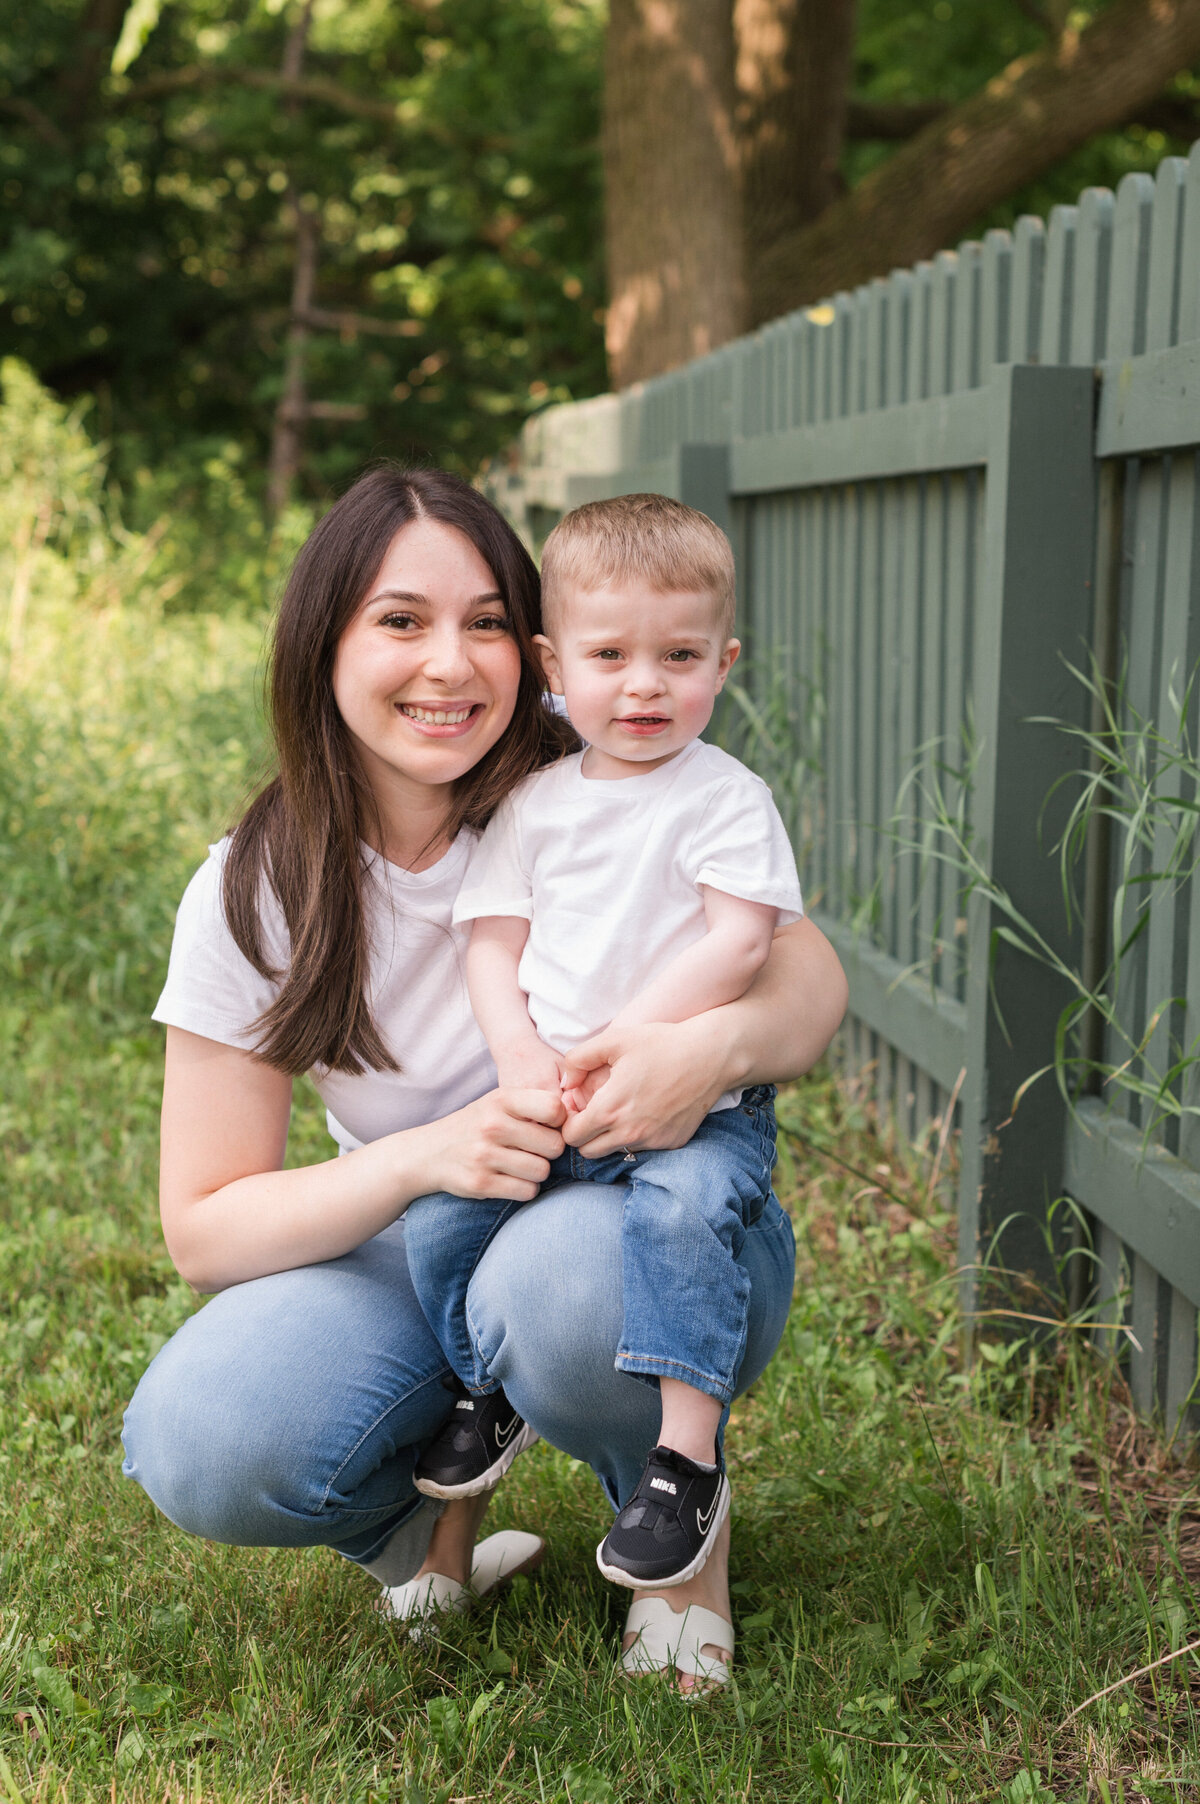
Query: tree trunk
(1036,111)
(793,69)
(77,82)
(674,220)
(292,412)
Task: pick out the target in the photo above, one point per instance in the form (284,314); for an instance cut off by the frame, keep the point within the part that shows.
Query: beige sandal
(670,1640)
(496,1561)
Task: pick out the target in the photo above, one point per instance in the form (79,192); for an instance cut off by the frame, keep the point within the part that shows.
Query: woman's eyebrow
(423,600)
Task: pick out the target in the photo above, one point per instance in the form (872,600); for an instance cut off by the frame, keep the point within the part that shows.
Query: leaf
(55,1687)
(586,1786)
(444,1720)
(148,1700)
(483,1702)
(132,1749)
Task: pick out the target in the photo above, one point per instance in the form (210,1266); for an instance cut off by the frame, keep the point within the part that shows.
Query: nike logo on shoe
(661,1484)
(704,1523)
(505,1435)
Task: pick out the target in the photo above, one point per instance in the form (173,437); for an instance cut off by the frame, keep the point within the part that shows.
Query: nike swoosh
(504,1436)
(704,1523)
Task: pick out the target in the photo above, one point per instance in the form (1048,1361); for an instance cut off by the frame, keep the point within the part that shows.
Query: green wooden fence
(942,490)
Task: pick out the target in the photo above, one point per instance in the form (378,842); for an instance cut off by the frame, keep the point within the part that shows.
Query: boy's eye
(608,653)
(680,656)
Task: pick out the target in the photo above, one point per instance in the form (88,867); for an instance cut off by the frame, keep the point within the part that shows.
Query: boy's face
(640,672)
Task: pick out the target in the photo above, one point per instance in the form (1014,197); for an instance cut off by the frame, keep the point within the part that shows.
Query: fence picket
(1166,242)
(1058,286)
(1093,275)
(995,302)
(1029,262)
(941,325)
(1132,224)
(1189,259)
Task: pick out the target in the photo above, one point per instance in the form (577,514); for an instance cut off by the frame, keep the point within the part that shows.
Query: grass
(933,1567)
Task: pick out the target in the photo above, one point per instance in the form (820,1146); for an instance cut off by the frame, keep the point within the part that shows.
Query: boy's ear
(729,658)
(549,659)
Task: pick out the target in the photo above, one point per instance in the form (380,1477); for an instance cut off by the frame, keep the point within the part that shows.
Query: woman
(406,701)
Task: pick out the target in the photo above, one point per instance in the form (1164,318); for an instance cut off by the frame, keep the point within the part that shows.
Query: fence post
(1033,615)
(704,482)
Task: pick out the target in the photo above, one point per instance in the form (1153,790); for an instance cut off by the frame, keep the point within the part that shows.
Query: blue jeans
(290,1411)
(684,1215)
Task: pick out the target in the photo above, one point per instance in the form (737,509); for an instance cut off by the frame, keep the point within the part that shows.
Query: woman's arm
(230,1213)
(664,1079)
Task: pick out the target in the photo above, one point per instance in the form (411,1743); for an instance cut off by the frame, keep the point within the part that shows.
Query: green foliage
(1135,793)
(949,50)
(148,252)
(147,248)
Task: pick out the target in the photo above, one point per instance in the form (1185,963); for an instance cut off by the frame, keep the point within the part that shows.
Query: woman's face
(426,674)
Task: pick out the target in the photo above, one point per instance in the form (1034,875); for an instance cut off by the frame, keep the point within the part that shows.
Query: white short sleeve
(741,847)
(497,881)
(212,988)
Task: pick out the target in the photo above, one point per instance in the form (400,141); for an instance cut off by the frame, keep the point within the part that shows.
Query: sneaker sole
(617,1575)
(486,1480)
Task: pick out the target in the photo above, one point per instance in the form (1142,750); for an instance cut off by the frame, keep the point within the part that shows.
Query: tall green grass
(932,1568)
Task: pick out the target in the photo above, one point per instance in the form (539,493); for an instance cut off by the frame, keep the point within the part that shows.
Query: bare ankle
(452,1544)
(690,1420)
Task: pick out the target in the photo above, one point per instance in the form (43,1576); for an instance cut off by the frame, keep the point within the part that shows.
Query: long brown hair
(303,834)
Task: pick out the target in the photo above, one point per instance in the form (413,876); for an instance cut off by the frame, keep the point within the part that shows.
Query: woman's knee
(201,1458)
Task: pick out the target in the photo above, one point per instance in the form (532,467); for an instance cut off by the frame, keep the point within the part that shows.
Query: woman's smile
(442,720)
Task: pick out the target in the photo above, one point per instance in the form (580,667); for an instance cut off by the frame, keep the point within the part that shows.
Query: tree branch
(77,82)
(343,320)
(307,87)
(1020,124)
(892,119)
(35,119)
(1175,115)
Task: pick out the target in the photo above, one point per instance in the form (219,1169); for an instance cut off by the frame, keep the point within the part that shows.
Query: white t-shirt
(607,874)
(416,987)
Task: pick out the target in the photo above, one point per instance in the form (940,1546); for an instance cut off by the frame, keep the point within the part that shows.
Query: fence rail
(944,491)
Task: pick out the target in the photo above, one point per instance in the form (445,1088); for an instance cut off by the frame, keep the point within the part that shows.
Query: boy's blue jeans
(684,1216)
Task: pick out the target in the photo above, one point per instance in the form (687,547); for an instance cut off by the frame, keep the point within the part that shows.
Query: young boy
(638,881)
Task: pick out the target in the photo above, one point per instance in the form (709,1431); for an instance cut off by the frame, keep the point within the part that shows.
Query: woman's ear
(549,659)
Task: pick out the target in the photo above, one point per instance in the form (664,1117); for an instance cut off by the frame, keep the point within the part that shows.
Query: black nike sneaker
(481,1439)
(668,1528)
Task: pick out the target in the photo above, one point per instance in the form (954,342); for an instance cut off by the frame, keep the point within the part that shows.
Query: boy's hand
(529,1064)
(583,1072)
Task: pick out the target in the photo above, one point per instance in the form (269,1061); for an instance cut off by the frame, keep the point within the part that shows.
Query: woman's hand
(656,1084)
(500,1146)
(662,1080)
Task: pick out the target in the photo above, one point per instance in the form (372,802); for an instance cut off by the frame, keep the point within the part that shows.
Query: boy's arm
(522,1060)
(716,969)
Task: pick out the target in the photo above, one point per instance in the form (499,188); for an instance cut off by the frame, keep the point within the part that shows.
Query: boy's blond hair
(646,538)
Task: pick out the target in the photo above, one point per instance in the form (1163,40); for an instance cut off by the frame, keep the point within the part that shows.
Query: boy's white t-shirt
(607,873)
(416,988)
